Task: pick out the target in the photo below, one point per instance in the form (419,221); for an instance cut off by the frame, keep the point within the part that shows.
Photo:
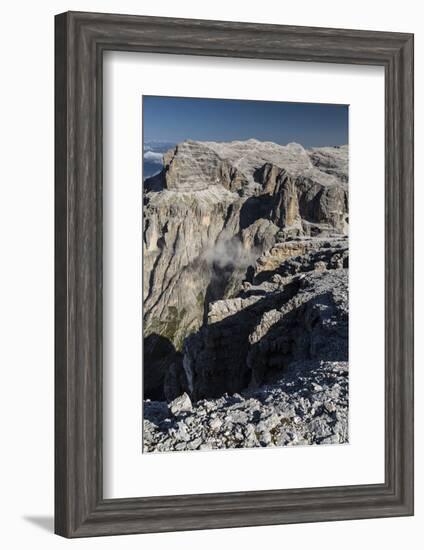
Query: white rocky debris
(180,404)
(288,412)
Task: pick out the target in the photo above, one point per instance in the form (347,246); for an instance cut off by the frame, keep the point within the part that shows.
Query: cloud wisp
(231,254)
(151,156)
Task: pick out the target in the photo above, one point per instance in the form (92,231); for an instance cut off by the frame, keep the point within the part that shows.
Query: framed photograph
(234,274)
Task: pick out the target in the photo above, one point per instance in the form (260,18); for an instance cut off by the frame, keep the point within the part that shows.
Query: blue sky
(175,119)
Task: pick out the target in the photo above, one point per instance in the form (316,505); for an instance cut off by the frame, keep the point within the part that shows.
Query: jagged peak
(198,164)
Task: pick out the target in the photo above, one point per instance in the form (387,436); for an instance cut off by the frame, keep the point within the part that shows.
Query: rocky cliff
(270,365)
(243,241)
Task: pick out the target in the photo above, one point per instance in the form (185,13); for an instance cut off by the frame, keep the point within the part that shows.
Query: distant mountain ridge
(153,152)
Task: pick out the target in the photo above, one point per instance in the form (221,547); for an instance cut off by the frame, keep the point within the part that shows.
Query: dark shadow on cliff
(159,355)
(220,277)
(315,330)
(226,361)
(254,208)
(221,348)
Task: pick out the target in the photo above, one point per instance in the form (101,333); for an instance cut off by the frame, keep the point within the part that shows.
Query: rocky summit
(245,285)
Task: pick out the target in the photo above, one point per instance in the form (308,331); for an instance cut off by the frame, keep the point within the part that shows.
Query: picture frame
(80,41)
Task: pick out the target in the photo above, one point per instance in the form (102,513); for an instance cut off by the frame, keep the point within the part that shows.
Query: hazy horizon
(171,120)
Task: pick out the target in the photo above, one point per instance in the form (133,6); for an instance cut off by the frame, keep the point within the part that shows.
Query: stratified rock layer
(297,311)
(208,216)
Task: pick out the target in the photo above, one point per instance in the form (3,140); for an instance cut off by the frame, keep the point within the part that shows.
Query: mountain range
(245,261)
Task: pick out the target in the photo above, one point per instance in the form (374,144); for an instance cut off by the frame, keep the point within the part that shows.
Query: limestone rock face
(270,366)
(218,216)
(298,311)
(180,230)
(195,166)
(332,160)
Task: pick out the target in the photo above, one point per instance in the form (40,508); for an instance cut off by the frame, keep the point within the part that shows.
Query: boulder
(181,404)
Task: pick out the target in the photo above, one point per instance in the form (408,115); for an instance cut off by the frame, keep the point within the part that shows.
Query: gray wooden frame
(80,40)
